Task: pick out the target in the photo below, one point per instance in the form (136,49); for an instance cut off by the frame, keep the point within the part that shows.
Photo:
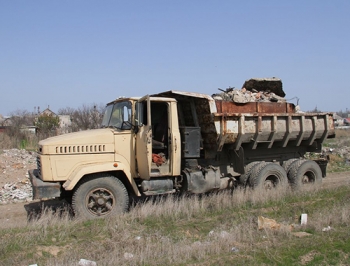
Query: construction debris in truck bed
(254,90)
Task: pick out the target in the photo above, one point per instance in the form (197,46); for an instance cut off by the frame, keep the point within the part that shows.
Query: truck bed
(268,123)
(225,122)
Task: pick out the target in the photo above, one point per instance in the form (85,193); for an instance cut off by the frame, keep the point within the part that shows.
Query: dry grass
(189,230)
(342,139)
(22,141)
(342,133)
(193,230)
(5,142)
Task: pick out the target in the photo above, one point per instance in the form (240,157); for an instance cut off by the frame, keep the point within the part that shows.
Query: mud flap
(322,163)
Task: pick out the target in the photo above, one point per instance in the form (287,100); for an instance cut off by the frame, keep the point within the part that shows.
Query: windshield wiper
(125,125)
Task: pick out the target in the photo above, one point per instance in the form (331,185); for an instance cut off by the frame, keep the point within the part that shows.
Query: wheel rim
(100,201)
(269,184)
(308,177)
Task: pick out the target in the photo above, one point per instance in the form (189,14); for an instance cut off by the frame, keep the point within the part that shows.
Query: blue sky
(70,53)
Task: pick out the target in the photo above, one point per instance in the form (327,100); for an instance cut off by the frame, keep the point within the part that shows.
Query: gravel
(14,179)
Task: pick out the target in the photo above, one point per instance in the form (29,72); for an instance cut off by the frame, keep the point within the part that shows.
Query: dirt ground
(17,214)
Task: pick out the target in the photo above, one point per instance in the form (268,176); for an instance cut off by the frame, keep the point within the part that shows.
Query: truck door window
(141,113)
(160,121)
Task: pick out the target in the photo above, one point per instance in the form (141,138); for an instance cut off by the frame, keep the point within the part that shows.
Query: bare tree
(343,114)
(66,111)
(315,110)
(85,117)
(16,127)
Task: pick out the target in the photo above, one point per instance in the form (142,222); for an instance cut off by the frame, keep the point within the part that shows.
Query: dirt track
(16,214)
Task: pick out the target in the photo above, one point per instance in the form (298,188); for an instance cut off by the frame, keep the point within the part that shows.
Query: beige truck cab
(99,169)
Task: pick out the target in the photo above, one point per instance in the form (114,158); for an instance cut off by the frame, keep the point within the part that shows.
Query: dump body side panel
(255,123)
(262,122)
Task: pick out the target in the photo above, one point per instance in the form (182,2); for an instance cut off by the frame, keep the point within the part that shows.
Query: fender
(90,168)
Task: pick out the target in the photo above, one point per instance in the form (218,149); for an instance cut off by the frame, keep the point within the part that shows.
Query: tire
(287,164)
(303,172)
(268,176)
(100,196)
(247,171)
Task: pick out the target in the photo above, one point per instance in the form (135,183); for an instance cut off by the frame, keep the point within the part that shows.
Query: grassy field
(216,229)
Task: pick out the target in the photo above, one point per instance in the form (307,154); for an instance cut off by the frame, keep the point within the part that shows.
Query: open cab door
(144,137)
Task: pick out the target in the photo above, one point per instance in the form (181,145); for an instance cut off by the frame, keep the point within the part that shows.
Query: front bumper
(43,189)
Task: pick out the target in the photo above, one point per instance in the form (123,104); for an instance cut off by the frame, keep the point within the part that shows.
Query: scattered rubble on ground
(266,223)
(301,234)
(84,262)
(271,224)
(342,152)
(14,193)
(14,180)
(326,229)
(128,256)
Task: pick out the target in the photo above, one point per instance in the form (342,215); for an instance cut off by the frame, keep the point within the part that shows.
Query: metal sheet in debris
(185,93)
(254,107)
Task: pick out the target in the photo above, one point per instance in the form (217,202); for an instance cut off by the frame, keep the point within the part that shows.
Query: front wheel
(100,196)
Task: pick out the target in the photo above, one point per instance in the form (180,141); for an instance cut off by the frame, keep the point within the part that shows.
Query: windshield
(118,115)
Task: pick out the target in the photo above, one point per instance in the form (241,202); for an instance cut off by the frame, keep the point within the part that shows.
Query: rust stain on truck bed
(254,107)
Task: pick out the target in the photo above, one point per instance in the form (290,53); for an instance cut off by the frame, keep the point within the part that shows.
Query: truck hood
(90,141)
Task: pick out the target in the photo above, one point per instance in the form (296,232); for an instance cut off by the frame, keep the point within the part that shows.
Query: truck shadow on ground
(51,207)
(62,209)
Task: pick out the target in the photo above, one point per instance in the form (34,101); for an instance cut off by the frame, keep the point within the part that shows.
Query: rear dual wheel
(304,172)
(286,164)
(298,172)
(267,176)
(247,172)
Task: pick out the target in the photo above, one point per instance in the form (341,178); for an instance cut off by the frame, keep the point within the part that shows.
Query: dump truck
(180,142)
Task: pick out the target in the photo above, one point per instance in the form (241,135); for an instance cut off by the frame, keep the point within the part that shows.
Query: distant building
(22,123)
(338,120)
(346,121)
(65,121)
(65,124)
(26,123)
(47,111)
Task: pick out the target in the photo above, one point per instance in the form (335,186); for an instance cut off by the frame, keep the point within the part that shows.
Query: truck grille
(80,149)
(38,164)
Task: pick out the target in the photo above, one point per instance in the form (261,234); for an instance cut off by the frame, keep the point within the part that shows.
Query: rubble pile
(14,192)
(14,180)
(273,85)
(342,152)
(254,90)
(245,96)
